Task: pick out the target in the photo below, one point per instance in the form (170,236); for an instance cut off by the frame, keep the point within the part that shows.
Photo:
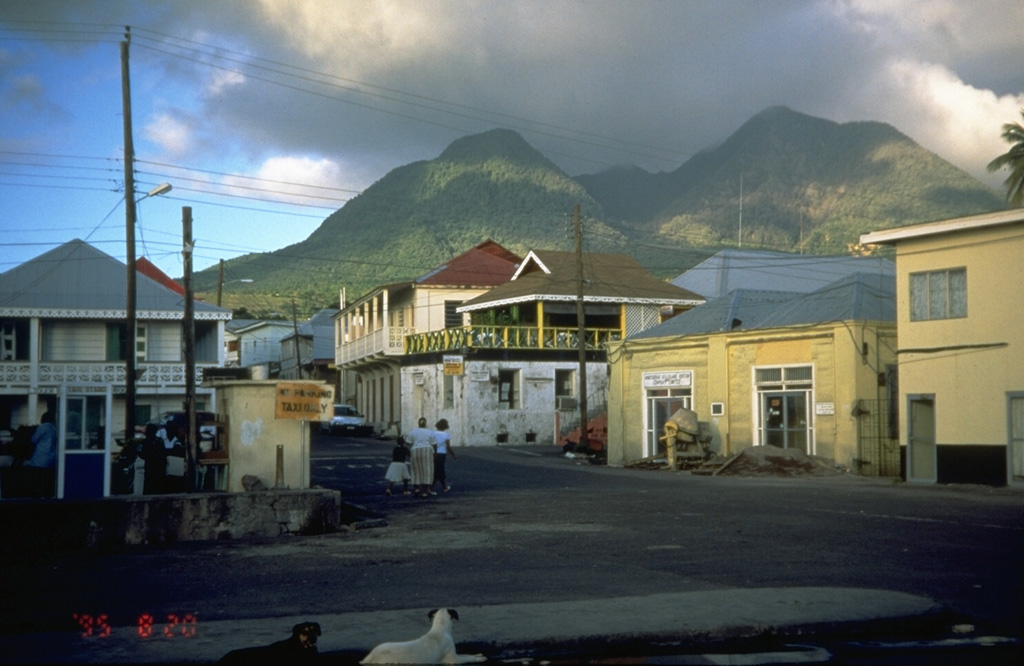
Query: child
(398,470)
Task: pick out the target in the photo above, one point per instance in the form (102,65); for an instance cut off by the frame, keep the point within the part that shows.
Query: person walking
(398,470)
(443,447)
(422,453)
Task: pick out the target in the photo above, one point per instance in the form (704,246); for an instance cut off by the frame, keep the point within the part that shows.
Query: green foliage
(809,185)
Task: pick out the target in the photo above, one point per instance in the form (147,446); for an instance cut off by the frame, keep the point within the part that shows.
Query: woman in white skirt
(422,439)
(398,470)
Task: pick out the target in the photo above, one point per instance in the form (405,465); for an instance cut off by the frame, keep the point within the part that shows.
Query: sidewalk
(513,630)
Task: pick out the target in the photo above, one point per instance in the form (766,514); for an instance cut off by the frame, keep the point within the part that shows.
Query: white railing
(387,340)
(155,374)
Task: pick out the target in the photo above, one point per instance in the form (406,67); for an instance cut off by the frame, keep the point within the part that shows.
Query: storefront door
(84,447)
(784,420)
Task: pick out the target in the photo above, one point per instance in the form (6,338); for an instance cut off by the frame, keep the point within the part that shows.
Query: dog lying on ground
(434,647)
(299,649)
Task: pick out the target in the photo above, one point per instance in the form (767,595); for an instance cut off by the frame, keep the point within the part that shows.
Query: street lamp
(221,283)
(130,375)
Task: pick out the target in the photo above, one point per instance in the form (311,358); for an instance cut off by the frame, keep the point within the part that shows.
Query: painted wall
(723,372)
(254,435)
(474,416)
(970,363)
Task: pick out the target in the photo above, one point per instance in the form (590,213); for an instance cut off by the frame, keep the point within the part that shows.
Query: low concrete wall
(156,519)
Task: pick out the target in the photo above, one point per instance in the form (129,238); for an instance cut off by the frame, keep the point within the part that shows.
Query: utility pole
(581,334)
(129,214)
(189,331)
(298,353)
(220,281)
(740,237)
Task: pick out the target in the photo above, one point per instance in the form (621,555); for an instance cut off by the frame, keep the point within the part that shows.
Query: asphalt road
(527,525)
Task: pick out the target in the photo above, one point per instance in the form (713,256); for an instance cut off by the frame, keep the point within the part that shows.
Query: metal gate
(878,441)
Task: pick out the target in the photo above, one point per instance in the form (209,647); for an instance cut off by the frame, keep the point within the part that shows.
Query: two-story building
(370,332)
(514,371)
(308,351)
(960,286)
(255,344)
(63,344)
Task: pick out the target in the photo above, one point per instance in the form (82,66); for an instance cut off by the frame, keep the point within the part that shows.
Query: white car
(346,421)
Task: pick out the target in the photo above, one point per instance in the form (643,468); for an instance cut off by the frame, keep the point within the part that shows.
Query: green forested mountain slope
(808,184)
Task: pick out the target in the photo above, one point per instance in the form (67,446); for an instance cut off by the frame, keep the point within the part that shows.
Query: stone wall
(160,519)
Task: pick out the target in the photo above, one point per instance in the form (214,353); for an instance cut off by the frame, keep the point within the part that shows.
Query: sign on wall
(453,365)
(677,379)
(304,401)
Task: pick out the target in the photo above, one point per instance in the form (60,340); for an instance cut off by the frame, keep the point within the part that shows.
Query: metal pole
(189,331)
(129,210)
(581,323)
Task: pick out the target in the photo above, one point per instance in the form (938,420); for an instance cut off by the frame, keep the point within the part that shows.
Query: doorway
(921,438)
(784,420)
(84,447)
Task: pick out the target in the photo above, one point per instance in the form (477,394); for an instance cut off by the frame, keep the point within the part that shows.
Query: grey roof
(857,297)
(734,269)
(319,327)
(79,279)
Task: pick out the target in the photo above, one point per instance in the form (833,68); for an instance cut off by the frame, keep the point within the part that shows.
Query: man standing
(40,466)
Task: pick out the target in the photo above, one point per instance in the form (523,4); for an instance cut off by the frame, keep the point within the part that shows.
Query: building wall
(968,364)
(723,371)
(474,415)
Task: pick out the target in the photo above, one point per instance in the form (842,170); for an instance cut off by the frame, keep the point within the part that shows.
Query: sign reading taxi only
(304,401)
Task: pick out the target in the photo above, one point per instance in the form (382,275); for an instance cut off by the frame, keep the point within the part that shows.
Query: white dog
(434,647)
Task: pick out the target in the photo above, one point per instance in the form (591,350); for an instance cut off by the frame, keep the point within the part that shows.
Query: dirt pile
(773,461)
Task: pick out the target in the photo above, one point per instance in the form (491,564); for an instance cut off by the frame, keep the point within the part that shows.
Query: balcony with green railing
(509,337)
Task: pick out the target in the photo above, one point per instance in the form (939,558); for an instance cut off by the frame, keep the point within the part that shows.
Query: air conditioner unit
(565,403)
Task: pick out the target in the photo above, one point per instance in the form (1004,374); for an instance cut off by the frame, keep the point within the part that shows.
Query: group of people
(423,465)
(164,452)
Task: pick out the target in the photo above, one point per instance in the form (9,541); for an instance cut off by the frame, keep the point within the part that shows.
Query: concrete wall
(31,525)
(722,367)
(474,415)
(253,435)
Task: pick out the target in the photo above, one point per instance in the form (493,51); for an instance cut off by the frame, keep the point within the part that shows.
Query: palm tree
(1013,133)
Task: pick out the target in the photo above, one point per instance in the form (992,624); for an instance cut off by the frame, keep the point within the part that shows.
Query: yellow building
(961,347)
(808,371)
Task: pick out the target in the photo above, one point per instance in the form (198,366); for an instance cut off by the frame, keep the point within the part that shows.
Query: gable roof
(549,275)
(486,265)
(857,297)
(77,280)
(732,269)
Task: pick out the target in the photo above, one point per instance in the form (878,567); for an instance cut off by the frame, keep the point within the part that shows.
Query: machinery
(687,438)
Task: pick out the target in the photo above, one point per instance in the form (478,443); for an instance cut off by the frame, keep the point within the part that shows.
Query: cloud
(171,133)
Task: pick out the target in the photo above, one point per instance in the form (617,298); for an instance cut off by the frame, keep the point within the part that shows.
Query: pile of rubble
(773,461)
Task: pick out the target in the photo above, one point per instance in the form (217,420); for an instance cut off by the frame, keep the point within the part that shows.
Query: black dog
(299,649)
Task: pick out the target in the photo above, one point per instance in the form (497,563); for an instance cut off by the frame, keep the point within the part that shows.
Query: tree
(1013,133)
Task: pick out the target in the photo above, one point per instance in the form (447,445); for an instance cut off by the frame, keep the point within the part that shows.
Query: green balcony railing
(508,337)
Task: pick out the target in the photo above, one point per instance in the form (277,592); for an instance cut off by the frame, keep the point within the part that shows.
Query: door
(84,446)
(1016,448)
(921,439)
(784,420)
(660,409)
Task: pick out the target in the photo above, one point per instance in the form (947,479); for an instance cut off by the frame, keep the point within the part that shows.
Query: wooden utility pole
(220,281)
(189,333)
(581,323)
(129,214)
(298,352)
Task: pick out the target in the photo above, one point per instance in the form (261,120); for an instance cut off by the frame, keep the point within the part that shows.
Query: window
(13,340)
(508,389)
(449,391)
(452,319)
(938,294)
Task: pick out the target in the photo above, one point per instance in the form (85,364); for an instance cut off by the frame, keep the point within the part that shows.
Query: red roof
(149,269)
(486,265)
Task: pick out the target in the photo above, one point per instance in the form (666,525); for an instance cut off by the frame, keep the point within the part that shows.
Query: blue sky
(265,116)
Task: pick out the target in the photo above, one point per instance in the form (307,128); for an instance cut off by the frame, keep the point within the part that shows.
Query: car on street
(346,421)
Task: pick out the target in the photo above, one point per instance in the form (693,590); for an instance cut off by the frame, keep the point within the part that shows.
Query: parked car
(346,421)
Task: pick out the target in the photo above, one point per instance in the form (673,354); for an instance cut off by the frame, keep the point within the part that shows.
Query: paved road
(524,525)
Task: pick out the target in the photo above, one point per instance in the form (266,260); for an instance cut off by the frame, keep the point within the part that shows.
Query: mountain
(808,184)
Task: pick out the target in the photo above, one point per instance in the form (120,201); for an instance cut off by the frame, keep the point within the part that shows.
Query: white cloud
(299,180)
(171,134)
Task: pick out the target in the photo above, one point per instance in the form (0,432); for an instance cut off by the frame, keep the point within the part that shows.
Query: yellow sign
(304,401)
(453,365)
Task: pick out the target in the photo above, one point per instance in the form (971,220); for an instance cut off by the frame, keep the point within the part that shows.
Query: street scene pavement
(550,558)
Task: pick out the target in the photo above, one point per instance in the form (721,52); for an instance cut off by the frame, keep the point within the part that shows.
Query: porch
(509,337)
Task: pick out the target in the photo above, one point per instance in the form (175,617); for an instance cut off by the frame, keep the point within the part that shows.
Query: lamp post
(130,372)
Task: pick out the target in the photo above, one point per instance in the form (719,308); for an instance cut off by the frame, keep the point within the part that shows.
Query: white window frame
(938,294)
(783,385)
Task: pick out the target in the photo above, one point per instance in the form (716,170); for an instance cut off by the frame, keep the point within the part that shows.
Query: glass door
(784,420)
(84,446)
(661,405)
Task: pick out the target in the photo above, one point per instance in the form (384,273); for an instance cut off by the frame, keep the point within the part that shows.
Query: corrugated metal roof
(551,275)
(857,297)
(77,277)
(733,269)
(319,327)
